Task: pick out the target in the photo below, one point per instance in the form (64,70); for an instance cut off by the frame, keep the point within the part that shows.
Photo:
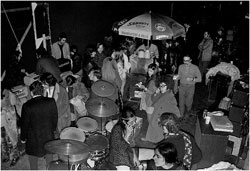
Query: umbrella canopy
(150,26)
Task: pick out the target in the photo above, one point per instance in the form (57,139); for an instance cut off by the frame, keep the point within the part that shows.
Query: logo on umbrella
(160,27)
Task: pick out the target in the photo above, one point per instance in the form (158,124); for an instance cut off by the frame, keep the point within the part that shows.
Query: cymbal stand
(68,163)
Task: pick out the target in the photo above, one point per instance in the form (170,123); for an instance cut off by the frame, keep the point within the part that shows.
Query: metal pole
(44,42)
(25,34)
(34,20)
(172,9)
(47,10)
(16,10)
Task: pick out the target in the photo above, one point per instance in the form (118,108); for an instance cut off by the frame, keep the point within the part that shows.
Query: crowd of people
(65,75)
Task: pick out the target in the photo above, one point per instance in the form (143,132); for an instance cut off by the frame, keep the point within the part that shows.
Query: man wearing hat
(188,74)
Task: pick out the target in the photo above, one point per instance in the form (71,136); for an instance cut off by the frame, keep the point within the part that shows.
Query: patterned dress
(120,151)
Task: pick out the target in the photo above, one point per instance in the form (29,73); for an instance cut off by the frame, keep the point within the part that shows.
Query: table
(212,143)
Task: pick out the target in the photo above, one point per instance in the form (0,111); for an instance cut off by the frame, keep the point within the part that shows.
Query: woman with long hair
(121,155)
(149,88)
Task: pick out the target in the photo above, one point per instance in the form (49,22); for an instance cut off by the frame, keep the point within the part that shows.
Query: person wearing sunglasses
(163,100)
(188,75)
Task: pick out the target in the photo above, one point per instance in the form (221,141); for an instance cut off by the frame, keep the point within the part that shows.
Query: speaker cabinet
(240,98)
(236,114)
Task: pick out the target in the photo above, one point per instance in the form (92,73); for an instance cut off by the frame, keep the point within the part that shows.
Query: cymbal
(101,107)
(103,88)
(67,147)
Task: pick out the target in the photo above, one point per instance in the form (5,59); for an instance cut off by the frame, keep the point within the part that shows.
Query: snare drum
(99,145)
(73,134)
(110,125)
(87,124)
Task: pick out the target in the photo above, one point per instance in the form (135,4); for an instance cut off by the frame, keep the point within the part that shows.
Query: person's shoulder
(194,66)
(182,65)
(54,44)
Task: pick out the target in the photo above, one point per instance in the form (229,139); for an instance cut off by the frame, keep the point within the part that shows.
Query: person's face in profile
(158,158)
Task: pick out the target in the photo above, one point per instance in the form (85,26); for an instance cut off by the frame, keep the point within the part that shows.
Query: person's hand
(190,79)
(21,147)
(157,91)
(142,86)
(136,161)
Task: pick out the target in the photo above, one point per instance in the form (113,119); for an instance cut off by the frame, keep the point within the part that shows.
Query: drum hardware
(87,124)
(99,146)
(103,88)
(101,107)
(69,148)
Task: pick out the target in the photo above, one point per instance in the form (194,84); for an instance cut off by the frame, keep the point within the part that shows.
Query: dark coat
(48,64)
(38,123)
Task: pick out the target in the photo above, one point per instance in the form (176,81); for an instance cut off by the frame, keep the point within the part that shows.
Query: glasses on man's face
(163,85)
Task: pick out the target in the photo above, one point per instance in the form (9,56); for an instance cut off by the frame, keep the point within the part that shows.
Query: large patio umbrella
(149,26)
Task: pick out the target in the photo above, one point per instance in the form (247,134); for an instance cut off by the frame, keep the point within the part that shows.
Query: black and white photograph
(125,85)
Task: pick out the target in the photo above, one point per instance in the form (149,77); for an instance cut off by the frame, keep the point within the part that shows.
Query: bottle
(204,113)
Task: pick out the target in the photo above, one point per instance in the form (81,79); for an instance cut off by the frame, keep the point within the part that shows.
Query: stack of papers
(221,123)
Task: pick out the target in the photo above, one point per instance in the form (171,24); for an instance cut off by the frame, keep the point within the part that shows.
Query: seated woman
(149,89)
(162,101)
(165,158)
(121,155)
(188,151)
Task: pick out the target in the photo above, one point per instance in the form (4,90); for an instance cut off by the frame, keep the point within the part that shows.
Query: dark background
(88,22)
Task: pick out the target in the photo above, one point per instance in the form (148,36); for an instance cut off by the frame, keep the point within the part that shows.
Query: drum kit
(102,107)
(82,145)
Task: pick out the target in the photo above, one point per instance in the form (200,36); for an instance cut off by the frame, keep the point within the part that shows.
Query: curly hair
(164,79)
(170,121)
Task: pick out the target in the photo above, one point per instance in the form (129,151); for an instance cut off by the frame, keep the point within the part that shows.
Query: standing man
(61,52)
(188,74)
(38,123)
(205,56)
(60,49)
